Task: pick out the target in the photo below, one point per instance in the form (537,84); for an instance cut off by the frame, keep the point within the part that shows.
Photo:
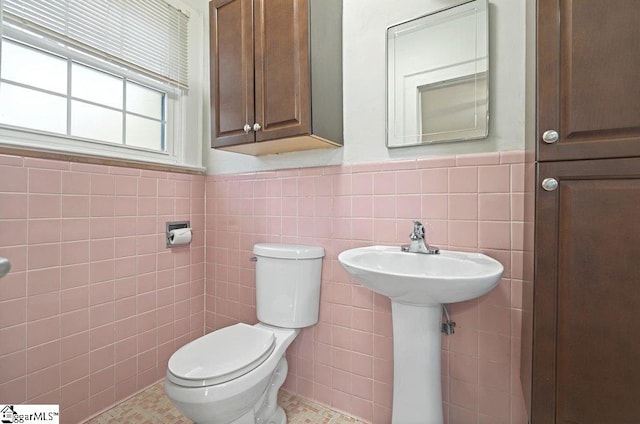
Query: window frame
(182,106)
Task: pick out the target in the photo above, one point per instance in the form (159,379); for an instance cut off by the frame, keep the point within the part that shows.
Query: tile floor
(153,407)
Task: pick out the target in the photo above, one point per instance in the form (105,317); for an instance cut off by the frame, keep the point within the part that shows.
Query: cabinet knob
(550,136)
(256,127)
(550,184)
(246,128)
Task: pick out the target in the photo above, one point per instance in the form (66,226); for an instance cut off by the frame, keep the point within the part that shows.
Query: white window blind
(148,36)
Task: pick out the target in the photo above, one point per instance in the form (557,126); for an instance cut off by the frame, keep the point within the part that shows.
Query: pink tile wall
(94,304)
(472,203)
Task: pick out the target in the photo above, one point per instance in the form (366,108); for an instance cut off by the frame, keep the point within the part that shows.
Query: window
(46,92)
(104,77)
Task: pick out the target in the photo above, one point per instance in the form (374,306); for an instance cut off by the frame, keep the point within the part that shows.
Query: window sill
(99,160)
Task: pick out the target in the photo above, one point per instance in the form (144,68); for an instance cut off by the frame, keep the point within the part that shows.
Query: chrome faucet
(418,244)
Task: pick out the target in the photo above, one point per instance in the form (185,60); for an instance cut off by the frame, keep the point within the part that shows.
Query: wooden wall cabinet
(276,75)
(586,291)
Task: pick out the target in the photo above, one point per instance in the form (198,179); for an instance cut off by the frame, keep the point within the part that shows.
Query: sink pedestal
(417,384)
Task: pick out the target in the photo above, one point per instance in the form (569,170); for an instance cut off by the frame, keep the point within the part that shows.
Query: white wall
(364,41)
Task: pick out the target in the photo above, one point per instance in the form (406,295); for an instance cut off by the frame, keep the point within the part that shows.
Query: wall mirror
(438,77)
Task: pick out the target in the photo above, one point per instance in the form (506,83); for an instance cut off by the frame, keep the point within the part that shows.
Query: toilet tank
(288,284)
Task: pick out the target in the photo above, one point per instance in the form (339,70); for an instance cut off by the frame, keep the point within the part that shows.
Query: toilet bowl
(242,399)
(233,374)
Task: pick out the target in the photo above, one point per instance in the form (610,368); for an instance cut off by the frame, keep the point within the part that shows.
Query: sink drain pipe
(448,326)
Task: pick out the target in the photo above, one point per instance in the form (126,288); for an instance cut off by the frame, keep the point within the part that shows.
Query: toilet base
(270,412)
(279,417)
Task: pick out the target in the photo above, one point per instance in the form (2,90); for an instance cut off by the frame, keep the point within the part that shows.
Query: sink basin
(420,279)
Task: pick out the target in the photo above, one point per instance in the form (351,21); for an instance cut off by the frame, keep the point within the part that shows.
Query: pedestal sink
(418,284)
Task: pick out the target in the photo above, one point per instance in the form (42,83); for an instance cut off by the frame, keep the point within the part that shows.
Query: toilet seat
(221,356)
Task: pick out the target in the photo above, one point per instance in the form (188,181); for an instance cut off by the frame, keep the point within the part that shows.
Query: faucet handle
(418,231)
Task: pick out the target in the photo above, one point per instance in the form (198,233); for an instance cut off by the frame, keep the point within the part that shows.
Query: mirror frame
(388,98)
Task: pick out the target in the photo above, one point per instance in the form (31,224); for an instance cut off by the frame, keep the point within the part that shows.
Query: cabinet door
(231,66)
(586,355)
(282,68)
(588,87)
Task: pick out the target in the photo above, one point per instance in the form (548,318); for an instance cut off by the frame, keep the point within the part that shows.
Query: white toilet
(232,375)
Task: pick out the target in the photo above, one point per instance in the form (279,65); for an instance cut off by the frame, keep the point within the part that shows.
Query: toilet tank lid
(288,251)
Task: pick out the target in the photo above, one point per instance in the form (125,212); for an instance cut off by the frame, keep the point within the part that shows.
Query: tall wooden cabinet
(588,79)
(586,346)
(265,96)
(586,300)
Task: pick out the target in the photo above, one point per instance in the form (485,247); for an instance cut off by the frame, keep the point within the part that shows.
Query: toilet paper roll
(179,236)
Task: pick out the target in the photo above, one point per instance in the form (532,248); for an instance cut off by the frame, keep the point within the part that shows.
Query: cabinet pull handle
(246,128)
(550,136)
(256,127)
(550,184)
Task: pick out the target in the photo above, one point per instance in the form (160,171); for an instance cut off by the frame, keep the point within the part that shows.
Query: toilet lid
(222,355)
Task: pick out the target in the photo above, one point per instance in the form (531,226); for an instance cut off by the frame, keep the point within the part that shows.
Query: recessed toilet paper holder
(175,225)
